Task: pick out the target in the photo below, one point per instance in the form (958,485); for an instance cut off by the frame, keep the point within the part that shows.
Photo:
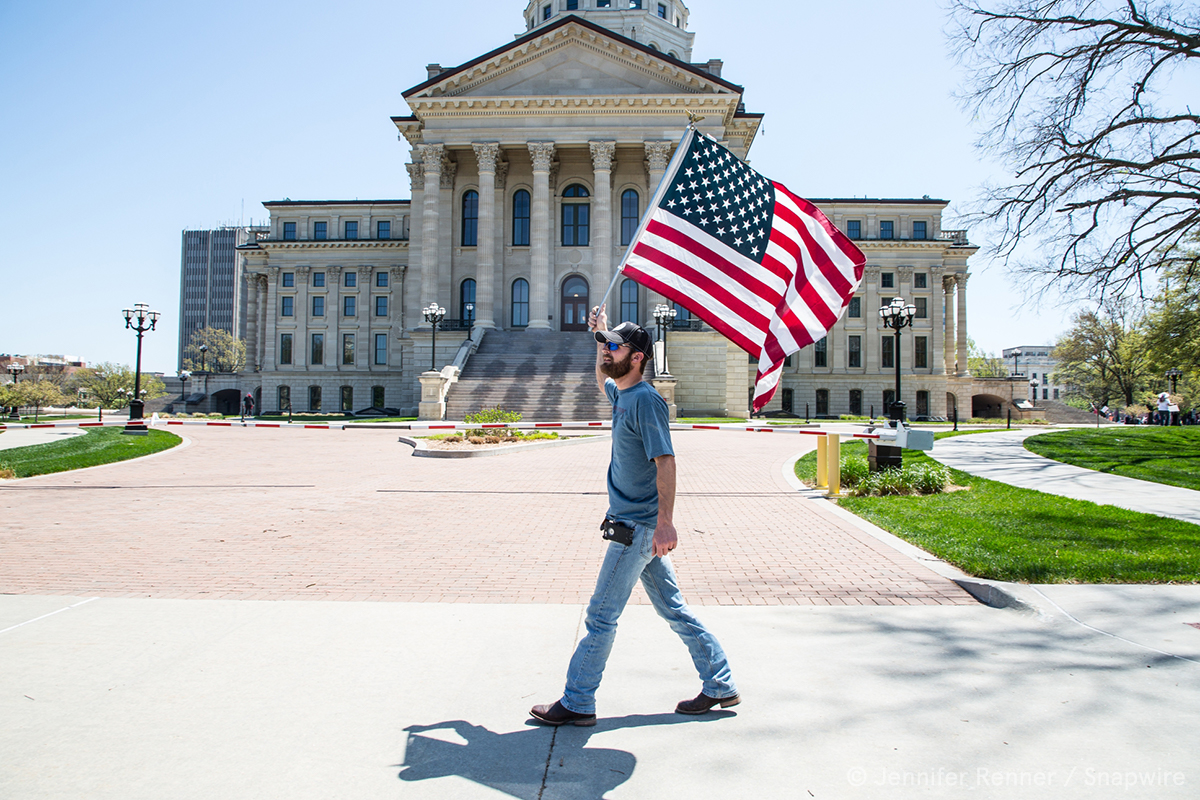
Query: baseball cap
(631,334)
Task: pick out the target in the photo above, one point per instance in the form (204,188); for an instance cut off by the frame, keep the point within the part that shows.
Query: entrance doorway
(575,304)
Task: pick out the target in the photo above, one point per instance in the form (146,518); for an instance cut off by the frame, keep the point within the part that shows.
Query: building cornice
(334,244)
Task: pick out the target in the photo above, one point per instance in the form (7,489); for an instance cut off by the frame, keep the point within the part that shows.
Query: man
(639,525)
(247,406)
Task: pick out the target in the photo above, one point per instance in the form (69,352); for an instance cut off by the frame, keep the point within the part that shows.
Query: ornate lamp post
(204,358)
(470,309)
(1016,366)
(897,315)
(15,370)
(183,379)
(1033,392)
(141,319)
(433,315)
(663,314)
(1172,375)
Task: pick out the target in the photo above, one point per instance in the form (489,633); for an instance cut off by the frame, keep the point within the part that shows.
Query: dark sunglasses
(614,346)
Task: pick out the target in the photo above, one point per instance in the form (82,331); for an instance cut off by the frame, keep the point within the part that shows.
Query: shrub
(491,416)
(7,474)
(854,471)
(912,479)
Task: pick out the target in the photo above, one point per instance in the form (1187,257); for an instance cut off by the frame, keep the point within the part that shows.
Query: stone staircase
(1057,412)
(548,376)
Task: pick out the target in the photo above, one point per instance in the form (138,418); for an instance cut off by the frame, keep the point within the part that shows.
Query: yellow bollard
(822,463)
(834,467)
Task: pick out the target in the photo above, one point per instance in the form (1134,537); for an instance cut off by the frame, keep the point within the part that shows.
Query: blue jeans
(622,567)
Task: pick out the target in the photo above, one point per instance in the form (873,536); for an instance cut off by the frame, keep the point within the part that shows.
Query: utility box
(911,439)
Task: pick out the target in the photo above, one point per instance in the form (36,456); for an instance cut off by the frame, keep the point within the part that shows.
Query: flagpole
(680,152)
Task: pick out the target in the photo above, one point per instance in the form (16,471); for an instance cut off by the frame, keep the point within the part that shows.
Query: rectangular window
(319,230)
(521,210)
(348,349)
(285,348)
(348,306)
(383,229)
(351,230)
(603,3)
(318,280)
(314,398)
(381,280)
(1045,379)
(575,224)
(887,352)
(1056,394)
(1034,376)
(572,5)
(920,352)
(381,348)
(788,401)
(377,398)
(546,12)
(289,279)
(822,402)
(920,281)
(1045,394)
(922,404)
(887,280)
(317,354)
(821,352)
(285,398)
(889,397)
(289,231)
(854,228)
(856,402)
(662,11)
(381,306)
(855,311)
(922,304)
(318,307)
(348,398)
(887,229)
(286,306)
(919,230)
(855,352)
(635,3)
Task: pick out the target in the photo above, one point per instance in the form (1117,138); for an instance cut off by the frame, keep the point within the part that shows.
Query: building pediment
(571,58)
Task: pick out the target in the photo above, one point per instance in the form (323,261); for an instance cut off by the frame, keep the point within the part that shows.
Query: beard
(617,369)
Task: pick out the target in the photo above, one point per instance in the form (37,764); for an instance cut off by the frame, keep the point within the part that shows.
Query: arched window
(629,301)
(683,317)
(520,303)
(466,297)
(521,219)
(576,217)
(630,215)
(470,219)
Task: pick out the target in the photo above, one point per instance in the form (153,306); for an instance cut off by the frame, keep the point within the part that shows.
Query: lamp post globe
(663,315)
(897,315)
(433,314)
(15,370)
(1033,392)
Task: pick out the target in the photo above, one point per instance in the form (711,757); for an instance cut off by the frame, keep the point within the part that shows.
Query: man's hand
(665,539)
(598,319)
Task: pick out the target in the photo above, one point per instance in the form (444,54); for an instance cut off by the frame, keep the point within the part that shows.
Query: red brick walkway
(326,514)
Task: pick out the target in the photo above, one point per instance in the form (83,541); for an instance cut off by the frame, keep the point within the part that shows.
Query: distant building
(211,282)
(1036,363)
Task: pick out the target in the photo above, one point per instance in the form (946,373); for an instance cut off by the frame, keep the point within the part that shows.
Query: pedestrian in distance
(247,406)
(640,530)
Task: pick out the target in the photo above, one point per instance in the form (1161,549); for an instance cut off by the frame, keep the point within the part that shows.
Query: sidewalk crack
(549,758)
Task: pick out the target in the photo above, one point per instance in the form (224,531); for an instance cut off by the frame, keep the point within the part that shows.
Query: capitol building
(530,168)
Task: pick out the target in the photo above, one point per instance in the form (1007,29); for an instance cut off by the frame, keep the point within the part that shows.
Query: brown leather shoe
(558,714)
(702,703)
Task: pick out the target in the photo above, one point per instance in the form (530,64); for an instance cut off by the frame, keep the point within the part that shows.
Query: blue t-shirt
(641,432)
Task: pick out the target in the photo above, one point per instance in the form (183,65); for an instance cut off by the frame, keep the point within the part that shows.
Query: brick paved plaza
(349,515)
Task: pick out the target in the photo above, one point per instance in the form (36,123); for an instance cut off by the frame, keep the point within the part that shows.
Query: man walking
(641,533)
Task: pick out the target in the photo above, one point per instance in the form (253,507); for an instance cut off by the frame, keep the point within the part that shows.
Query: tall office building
(211,282)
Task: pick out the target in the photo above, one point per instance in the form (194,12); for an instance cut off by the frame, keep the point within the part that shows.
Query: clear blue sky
(125,123)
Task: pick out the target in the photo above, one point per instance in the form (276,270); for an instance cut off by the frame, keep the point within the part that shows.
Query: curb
(421,448)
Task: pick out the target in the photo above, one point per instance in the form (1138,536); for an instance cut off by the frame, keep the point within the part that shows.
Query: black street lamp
(433,315)
(15,370)
(470,309)
(1173,376)
(663,315)
(897,315)
(204,358)
(183,379)
(1033,392)
(1016,365)
(145,321)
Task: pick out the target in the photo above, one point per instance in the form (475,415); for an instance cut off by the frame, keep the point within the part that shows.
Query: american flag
(761,265)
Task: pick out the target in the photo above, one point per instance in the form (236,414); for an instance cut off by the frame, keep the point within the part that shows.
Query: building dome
(660,24)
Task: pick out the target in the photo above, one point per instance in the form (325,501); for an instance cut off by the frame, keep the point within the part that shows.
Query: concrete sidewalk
(1002,457)
(24,437)
(136,699)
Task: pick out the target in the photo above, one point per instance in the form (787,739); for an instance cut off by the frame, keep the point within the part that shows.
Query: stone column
(301,312)
(485,267)
(871,347)
(658,156)
(949,338)
(542,154)
(431,158)
(499,287)
(395,318)
(416,173)
(366,313)
(963,368)
(602,164)
(937,342)
(270,337)
(250,334)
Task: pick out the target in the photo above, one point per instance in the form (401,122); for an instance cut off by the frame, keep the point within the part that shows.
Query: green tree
(225,353)
(39,394)
(982,364)
(1103,358)
(1172,336)
(108,383)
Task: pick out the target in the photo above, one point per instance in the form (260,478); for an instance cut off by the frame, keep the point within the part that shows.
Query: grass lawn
(1001,532)
(1158,454)
(30,419)
(97,446)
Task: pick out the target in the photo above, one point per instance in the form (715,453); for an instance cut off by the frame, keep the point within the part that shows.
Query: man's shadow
(523,763)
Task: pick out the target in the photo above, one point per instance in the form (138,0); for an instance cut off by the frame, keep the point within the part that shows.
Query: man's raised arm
(598,321)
